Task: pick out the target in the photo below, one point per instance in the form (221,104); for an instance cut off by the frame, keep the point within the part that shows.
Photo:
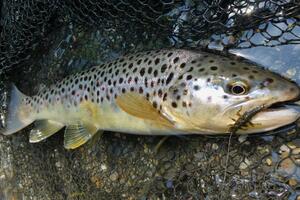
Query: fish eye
(238,88)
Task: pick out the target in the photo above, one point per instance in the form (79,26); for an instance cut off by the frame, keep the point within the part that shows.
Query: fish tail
(19,112)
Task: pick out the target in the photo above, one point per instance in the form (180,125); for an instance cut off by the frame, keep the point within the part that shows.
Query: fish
(158,92)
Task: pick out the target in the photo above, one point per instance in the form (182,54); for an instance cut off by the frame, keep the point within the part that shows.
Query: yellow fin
(44,129)
(78,134)
(138,106)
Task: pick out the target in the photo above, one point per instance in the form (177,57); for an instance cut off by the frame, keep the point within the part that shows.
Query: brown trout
(161,92)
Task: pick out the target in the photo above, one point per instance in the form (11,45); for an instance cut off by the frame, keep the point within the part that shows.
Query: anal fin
(78,134)
(44,129)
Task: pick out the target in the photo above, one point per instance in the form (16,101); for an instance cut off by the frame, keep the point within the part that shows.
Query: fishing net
(42,41)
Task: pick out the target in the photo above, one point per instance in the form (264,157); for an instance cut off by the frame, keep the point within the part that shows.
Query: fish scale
(162,92)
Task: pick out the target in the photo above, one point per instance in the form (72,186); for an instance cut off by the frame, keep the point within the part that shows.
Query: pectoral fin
(78,134)
(44,129)
(138,106)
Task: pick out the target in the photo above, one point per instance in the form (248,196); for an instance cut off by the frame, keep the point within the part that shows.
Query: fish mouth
(272,117)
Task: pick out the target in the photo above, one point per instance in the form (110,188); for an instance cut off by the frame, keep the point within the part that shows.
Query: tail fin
(18,113)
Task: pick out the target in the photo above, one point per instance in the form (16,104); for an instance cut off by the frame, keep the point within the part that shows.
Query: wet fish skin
(163,92)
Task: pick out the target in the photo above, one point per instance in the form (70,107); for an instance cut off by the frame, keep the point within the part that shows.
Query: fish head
(216,92)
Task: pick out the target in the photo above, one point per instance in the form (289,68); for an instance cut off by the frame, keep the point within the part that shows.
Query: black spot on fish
(165,97)
(170,77)
(121,80)
(152,84)
(141,90)
(142,71)
(156,61)
(159,93)
(155,73)
(129,79)
(189,77)
(130,65)
(196,87)
(154,104)
(213,68)
(174,104)
(182,65)
(149,70)
(232,63)
(201,69)
(146,82)
(139,61)
(176,60)
(163,68)
(136,79)
(170,54)
(191,69)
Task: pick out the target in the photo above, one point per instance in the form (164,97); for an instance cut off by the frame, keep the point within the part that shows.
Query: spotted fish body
(156,92)
(91,95)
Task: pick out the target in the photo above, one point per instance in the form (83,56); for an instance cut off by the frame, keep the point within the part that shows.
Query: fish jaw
(272,118)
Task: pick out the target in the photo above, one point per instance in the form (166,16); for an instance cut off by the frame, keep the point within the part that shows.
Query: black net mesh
(42,41)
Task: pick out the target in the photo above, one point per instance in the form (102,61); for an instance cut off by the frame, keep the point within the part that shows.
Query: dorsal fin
(138,106)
